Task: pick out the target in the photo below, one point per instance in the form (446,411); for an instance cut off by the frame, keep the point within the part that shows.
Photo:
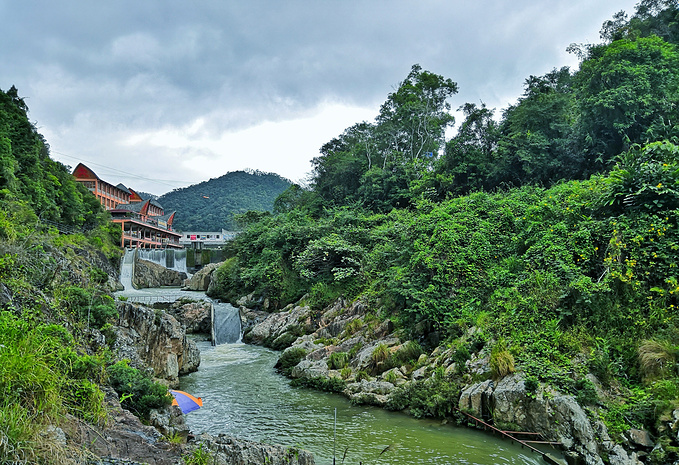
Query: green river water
(244,397)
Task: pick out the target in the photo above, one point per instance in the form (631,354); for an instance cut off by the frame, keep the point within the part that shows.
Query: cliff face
(155,339)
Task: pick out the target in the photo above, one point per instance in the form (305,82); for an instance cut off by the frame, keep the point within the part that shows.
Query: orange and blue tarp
(186,402)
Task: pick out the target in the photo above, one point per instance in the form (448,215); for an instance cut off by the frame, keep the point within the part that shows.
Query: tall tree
(628,92)
(535,138)
(373,164)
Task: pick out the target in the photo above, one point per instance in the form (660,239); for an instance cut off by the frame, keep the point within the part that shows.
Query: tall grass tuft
(42,378)
(501,360)
(656,358)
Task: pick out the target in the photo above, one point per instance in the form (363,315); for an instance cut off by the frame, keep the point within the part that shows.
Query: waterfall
(169,258)
(226,324)
(126,268)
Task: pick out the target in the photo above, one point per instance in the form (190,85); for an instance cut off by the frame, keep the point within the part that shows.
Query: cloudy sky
(160,94)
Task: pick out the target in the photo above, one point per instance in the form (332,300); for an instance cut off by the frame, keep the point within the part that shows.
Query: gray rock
(155,339)
(148,274)
(310,369)
(475,398)
(420,373)
(276,324)
(202,279)
(231,451)
(619,456)
(170,422)
(640,437)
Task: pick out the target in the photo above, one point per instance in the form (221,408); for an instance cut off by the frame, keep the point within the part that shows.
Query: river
(243,396)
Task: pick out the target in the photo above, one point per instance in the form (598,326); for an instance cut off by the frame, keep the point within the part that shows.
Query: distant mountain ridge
(211,205)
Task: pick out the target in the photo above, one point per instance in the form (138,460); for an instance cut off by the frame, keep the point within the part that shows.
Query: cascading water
(169,258)
(226,324)
(126,269)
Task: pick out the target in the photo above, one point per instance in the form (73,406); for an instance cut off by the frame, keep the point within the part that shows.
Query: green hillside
(211,205)
(549,234)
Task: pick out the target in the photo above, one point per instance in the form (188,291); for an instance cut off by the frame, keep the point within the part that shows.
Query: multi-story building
(144,223)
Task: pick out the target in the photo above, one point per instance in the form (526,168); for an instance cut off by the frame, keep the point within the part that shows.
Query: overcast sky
(160,94)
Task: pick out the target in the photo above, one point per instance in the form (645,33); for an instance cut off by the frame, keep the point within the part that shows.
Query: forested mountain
(549,234)
(211,205)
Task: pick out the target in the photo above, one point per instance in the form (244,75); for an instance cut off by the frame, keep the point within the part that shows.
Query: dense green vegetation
(211,205)
(53,293)
(553,230)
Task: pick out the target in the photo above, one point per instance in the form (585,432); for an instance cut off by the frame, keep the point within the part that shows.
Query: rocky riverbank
(346,348)
(155,339)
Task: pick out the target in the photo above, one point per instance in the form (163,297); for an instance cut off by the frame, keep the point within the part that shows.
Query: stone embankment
(349,343)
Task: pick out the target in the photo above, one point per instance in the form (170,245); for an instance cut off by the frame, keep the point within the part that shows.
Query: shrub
(138,392)
(332,384)
(345,373)
(361,375)
(338,360)
(408,353)
(89,305)
(586,392)
(656,357)
(380,354)
(390,377)
(434,397)
(353,326)
(460,357)
(290,359)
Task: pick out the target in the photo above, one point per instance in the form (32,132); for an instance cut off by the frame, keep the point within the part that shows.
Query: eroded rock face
(124,437)
(557,417)
(155,339)
(149,274)
(276,324)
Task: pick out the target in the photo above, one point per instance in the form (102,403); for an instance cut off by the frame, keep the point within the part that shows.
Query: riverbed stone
(228,450)
(310,369)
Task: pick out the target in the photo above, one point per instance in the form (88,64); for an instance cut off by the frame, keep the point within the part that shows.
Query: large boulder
(195,316)
(155,339)
(228,450)
(148,274)
(276,324)
(202,279)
